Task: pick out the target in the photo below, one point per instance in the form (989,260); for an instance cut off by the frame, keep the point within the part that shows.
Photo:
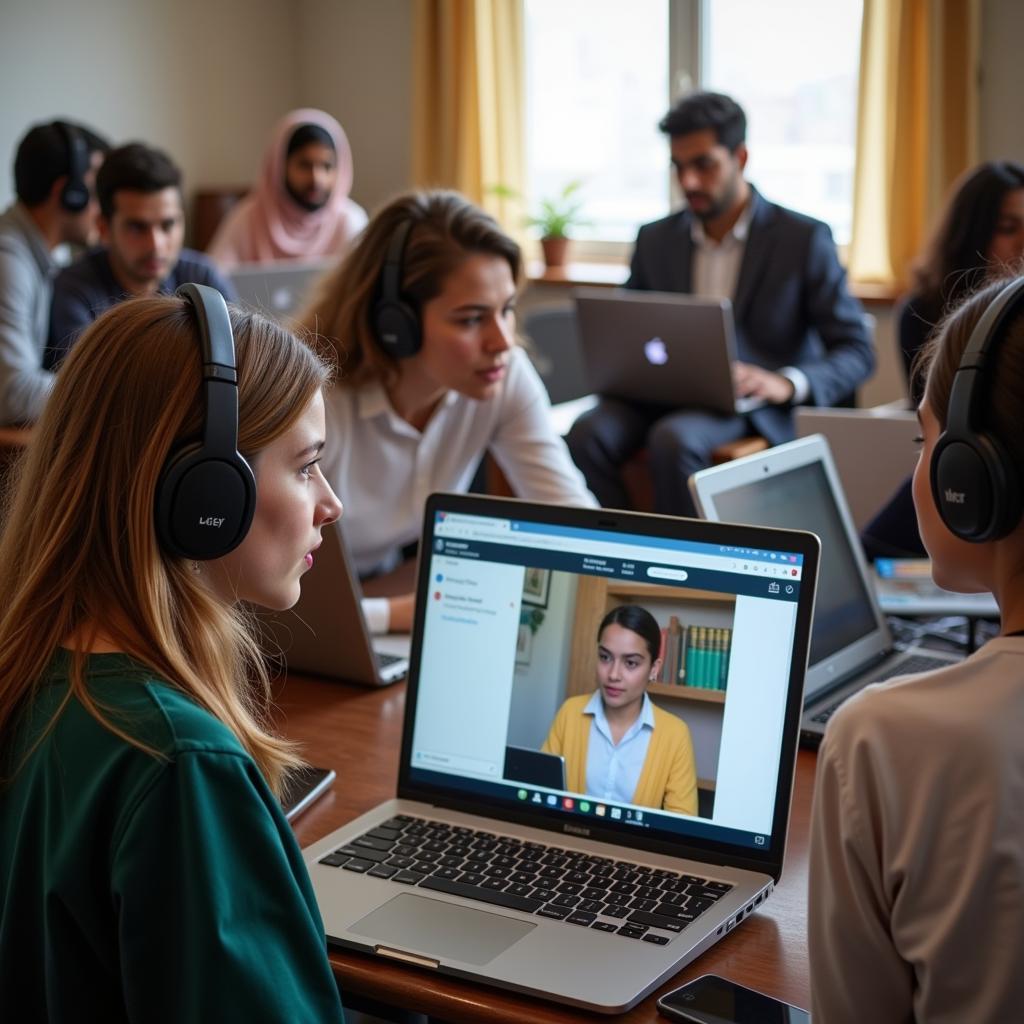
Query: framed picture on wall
(536,584)
(524,644)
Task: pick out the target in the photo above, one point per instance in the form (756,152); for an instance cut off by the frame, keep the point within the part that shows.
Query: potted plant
(554,219)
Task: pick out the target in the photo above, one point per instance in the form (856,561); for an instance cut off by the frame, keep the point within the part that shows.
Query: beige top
(917,849)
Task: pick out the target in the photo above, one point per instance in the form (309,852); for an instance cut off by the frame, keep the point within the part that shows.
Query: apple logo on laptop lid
(656,352)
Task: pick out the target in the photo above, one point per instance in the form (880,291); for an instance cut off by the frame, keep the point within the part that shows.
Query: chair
(554,348)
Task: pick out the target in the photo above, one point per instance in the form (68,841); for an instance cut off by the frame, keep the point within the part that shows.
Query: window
(600,75)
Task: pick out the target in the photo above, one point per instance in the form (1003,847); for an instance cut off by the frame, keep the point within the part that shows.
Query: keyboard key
(659,940)
(443,872)
(494,883)
(670,910)
(581,917)
(408,877)
(639,904)
(565,900)
(604,926)
(591,906)
(380,871)
(614,911)
(473,892)
(559,913)
(380,832)
(518,889)
(334,860)
(357,851)
(544,894)
(668,924)
(705,892)
(472,878)
(632,931)
(355,864)
(400,862)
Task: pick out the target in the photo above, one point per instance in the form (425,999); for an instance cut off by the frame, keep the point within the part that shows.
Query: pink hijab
(269,225)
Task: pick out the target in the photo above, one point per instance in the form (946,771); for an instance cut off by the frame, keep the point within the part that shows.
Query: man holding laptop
(801,337)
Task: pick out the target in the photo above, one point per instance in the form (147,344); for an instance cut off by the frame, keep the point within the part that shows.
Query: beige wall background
(207,80)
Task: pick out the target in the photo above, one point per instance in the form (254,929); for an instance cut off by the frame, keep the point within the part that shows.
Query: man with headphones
(916,896)
(54,172)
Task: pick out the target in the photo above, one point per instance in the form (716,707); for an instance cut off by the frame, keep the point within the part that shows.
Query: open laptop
(660,348)
(276,289)
(325,634)
(851,646)
(887,432)
(576,897)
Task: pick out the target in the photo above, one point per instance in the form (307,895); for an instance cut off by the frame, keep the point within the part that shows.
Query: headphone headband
(976,484)
(75,195)
(206,496)
(395,323)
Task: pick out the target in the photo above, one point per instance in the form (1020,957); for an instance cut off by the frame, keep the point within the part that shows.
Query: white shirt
(382,468)
(716,272)
(916,903)
(613,769)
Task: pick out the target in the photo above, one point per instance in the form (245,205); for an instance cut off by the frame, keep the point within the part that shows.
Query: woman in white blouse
(422,316)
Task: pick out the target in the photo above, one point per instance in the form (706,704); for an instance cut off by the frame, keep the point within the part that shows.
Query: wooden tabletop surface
(357,732)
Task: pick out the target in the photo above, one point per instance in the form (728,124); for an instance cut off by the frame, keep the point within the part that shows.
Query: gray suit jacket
(792,307)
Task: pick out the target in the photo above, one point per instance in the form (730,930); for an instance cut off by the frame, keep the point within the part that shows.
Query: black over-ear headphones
(975,483)
(395,323)
(74,197)
(206,495)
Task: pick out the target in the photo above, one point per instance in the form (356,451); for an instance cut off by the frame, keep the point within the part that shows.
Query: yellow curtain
(916,126)
(468,101)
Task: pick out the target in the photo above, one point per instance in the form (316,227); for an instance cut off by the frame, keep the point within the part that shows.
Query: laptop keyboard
(908,667)
(387,660)
(627,899)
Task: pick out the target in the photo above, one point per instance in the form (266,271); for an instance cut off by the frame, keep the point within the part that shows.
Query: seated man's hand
(402,610)
(752,381)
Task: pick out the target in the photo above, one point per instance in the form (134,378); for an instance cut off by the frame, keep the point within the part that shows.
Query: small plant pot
(555,251)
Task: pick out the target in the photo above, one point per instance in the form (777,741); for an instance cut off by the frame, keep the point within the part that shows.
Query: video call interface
(515,668)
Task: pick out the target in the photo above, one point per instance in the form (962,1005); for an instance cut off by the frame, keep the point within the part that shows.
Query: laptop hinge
(407,958)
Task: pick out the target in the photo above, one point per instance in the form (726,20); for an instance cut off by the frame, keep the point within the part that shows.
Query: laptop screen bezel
(708,484)
(552,820)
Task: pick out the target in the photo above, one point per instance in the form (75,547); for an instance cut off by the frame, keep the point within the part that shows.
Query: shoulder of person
(84,270)
(668,723)
(667,227)
(781,218)
(573,707)
(157,713)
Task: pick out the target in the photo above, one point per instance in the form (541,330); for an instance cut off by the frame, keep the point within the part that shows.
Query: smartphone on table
(302,787)
(714,1000)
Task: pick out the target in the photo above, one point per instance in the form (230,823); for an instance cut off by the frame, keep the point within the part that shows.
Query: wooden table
(357,732)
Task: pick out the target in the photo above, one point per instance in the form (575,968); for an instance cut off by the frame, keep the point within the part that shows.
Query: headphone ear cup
(397,328)
(976,487)
(74,197)
(204,506)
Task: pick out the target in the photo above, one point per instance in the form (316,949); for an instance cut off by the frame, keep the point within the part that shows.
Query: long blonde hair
(446,228)
(79,545)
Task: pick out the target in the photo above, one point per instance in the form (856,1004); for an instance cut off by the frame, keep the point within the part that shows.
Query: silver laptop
(325,634)
(887,432)
(796,485)
(580,897)
(278,290)
(660,348)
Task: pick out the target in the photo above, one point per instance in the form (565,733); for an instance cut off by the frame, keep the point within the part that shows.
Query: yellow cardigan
(669,776)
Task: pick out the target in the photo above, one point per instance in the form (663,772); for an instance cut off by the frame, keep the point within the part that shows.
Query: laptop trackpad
(442,930)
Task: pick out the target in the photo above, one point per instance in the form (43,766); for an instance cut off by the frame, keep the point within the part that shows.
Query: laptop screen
(802,498)
(671,718)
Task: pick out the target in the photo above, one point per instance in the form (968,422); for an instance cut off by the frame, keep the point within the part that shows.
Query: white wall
(356,63)
(1001,128)
(205,81)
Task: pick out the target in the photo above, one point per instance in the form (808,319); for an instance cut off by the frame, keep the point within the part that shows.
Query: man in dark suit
(801,337)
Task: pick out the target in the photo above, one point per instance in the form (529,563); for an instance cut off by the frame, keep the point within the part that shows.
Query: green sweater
(134,888)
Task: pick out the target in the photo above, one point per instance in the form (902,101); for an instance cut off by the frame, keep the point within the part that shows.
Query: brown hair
(79,546)
(447,228)
(937,362)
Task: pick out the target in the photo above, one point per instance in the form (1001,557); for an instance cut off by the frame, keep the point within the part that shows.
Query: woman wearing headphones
(147,870)
(917,862)
(617,745)
(422,315)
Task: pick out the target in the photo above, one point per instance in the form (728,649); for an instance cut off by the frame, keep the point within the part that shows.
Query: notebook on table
(660,348)
(573,895)
(796,484)
(326,634)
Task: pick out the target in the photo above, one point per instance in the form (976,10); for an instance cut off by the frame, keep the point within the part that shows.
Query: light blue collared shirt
(613,770)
